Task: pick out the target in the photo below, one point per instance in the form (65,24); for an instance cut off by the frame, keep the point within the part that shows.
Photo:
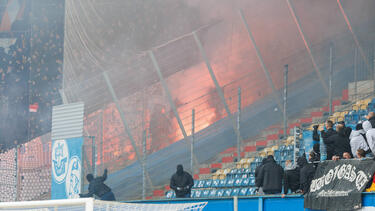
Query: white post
(89,205)
(235,203)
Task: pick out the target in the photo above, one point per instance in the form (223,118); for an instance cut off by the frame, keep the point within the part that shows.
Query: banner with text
(66,168)
(337,185)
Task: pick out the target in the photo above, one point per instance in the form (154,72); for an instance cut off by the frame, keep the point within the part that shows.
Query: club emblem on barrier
(60,159)
(73,178)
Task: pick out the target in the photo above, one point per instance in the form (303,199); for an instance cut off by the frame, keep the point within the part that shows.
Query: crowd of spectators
(341,143)
(31,72)
(271,178)
(14,72)
(345,143)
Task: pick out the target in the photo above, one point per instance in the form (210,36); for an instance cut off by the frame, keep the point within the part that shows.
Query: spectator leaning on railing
(291,177)
(270,177)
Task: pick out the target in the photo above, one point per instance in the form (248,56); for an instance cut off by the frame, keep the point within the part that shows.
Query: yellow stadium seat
(336,114)
(222,176)
(340,119)
(355,107)
(364,107)
(215,177)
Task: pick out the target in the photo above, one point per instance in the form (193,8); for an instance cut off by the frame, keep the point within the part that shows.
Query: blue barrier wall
(260,203)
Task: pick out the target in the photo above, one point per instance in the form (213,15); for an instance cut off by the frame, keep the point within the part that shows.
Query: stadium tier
(216,86)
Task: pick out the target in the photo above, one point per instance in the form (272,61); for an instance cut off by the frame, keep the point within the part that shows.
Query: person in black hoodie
(181,183)
(98,188)
(325,135)
(307,171)
(340,141)
(291,177)
(270,177)
(257,170)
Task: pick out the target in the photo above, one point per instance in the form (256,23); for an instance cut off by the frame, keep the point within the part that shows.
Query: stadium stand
(239,180)
(41,51)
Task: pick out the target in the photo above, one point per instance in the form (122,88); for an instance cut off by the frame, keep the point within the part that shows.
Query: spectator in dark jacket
(325,135)
(181,183)
(257,170)
(291,177)
(316,151)
(98,188)
(316,136)
(306,173)
(340,142)
(270,177)
(347,130)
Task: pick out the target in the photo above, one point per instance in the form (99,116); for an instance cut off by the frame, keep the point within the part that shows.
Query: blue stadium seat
(362,114)
(246,182)
(201,183)
(223,183)
(215,183)
(233,171)
(170,194)
(198,193)
(195,184)
(238,182)
(251,191)
(228,192)
(243,191)
(205,193)
(245,175)
(371,106)
(192,194)
(235,192)
(208,183)
(213,193)
(252,181)
(230,183)
(220,193)
(277,155)
(247,171)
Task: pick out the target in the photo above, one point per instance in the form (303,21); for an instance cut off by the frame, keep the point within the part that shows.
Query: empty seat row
(239,182)
(217,193)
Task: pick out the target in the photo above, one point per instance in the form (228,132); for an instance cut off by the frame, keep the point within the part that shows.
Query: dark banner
(337,185)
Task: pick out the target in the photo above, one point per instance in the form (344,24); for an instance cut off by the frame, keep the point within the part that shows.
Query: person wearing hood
(307,171)
(357,140)
(181,183)
(270,177)
(370,130)
(291,177)
(325,135)
(258,168)
(98,188)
